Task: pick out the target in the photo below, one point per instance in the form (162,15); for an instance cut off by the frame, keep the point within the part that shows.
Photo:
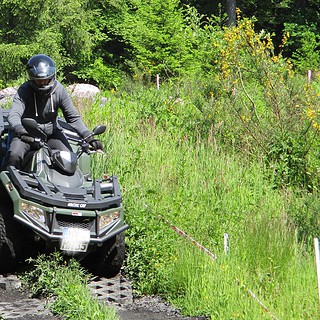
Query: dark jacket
(43,107)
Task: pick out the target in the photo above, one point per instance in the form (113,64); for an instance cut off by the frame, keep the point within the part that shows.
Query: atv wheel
(7,254)
(107,260)
(16,242)
(5,198)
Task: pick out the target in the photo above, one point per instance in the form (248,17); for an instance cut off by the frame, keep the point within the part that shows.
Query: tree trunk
(231,11)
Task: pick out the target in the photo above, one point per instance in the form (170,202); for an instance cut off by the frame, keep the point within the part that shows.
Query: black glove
(95,143)
(20,130)
(23,134)
(27,139)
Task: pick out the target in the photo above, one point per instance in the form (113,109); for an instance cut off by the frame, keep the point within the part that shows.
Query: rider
(40,98)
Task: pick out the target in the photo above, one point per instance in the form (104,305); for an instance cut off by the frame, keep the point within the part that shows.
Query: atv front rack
(101,195)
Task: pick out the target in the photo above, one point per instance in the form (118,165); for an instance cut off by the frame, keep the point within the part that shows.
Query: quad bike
(52,203)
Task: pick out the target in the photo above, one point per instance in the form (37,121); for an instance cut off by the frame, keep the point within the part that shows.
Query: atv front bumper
(102,194)
(51,210)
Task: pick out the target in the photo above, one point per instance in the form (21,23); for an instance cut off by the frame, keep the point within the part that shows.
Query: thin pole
(316,249)
(309,75)
(225,243)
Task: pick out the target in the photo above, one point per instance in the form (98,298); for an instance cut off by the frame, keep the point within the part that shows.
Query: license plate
(75,240)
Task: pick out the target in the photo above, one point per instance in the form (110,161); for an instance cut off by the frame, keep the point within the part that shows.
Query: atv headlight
(108,218)
(33,212)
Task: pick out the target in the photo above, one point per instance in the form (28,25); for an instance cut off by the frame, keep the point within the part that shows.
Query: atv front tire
(107,260)
(16,242)
(7,254)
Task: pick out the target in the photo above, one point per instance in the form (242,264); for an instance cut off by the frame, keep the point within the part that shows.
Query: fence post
(316,249)
(225,243)
(309,75)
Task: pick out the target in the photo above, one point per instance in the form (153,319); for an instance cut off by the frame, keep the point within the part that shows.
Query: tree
(231,11)
(66,30)
(155,37)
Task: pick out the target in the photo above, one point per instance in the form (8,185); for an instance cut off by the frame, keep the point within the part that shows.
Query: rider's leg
(59,141)
(16,153)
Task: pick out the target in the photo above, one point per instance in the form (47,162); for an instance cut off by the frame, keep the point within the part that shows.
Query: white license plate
(75,240)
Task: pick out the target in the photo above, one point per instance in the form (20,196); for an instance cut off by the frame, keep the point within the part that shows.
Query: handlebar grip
(27,139)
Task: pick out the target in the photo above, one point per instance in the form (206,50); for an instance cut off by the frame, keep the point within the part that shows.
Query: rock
(83,90)
(8,92)
(6,95)
(10,282)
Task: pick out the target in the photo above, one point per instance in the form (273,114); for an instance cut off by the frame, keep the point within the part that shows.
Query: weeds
(234,152)
(206,190)
(65,282)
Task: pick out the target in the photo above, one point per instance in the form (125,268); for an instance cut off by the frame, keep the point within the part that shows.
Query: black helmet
(41,67)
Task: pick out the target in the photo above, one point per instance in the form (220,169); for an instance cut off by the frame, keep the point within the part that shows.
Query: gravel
(152,308)
(16,303)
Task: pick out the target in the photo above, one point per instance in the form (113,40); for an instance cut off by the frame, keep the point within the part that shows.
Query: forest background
(226,142)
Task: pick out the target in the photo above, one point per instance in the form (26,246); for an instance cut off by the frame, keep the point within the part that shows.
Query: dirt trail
(16,304)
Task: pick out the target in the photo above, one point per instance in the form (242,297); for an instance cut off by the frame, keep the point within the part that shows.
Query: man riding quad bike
(49,200)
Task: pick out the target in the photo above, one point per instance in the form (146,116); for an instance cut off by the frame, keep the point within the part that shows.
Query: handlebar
(38,136)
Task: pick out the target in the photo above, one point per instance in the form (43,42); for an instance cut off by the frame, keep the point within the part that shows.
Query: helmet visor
(42,71)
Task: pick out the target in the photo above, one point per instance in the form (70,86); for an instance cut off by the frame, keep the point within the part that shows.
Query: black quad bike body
(52,203)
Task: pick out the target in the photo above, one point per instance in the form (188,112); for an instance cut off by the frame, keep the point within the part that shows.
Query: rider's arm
(17,108)
(71,114)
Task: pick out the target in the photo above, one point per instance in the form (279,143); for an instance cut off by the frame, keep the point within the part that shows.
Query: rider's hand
(26,138)
(95,143)
(20,130)
(23,134)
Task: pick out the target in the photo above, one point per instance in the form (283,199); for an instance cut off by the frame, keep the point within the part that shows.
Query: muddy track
(17,304)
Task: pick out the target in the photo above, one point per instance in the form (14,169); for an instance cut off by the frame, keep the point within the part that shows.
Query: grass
(167,169)
(206,191)
(66,283)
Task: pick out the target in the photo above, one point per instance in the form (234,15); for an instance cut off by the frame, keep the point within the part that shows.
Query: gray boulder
(83,90)
(6,95)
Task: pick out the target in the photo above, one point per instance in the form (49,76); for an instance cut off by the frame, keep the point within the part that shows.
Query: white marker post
(225,243)
(309,75)
(316,249)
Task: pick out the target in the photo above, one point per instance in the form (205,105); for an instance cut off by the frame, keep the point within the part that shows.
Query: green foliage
(269,105)
(65,281)
(204,189)
(303,41)
(287,161)
(97,41)
(103,75)
(11,67)
(155,33)
(305,214)
(68,31)
(272,15)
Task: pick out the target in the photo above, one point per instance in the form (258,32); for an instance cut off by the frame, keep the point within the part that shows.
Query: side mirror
(30,123)
(99,129)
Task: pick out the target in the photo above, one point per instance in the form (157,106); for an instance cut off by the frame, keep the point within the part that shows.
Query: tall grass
(206,190)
